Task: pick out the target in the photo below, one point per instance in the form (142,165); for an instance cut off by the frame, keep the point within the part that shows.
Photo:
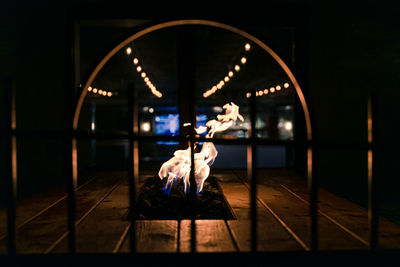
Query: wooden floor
(283,220)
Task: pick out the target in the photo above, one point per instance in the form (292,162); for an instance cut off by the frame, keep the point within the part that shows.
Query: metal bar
(252,171)
(70,140)
(313,204)
(373,212)
(132,169)
(11,164)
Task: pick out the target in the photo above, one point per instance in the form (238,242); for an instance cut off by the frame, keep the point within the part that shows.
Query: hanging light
(247,47)
(128,50)
(243,60)
(286,85)
(135,61)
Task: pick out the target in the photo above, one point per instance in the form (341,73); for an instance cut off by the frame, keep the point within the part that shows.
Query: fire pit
(154,204)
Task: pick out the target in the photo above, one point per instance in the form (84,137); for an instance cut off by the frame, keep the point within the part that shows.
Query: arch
(195,22)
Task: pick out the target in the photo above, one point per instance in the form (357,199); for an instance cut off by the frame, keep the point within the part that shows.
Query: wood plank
(101,230)
(38,235)
(154,236)
(211,236)
(271,235)
(296,215)
(347,213)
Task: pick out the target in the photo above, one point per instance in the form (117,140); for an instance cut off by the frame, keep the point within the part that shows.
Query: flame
(179,166)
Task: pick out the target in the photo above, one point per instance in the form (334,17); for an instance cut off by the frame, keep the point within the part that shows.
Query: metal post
(70,139)
(11,165)
(313,190)
(373,216)
(187,106)
(133,163)
(252,170)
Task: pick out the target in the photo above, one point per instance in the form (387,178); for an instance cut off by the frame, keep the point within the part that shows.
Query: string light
(128,51)
(230,74)
(266,91)
(146,79)
(99,91)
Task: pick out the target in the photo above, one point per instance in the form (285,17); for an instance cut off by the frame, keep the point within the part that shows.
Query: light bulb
(128,51)
(247,47)
(243,60)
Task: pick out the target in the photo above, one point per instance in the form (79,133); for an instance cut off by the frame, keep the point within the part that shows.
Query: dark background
(344,50)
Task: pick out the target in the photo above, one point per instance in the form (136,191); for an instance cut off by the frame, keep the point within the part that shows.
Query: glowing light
(256,93)
(248,95)
(139,69)
(278,88)
(109,94)
(286,85)
(226,79)
(288,125)
(92,126)
(243,60)
(128,51)
(104,93)
(143,74)
(219,86)
(146,79)
(237,67)
(146,126)
(230,73)
(186,124)
(265,91)
(89,88)
(135,61)
(100,92)
(272,89)
(179,166)
(260,93)
(247,47)
(151,110)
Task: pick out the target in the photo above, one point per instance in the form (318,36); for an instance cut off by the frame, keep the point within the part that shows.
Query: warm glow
(89,88)
(146,79)
(226,79)
(146,126)
(243,60)
(260,93)
(230,73)
(265,91)
(139,69)
(109,94)
(272,89)
(288,125)
(248,95)
(178,167)
(151,110)
(247,47)
(104,93)
(135,61)
(128,51)
(278,88)
(286,85)
(143,74)
(94,90)
(237,67)
(219,86)
(100,92)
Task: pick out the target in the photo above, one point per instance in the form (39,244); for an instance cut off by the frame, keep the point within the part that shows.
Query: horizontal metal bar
(331,145)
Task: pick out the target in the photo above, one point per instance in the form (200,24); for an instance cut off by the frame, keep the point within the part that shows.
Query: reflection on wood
(211,236)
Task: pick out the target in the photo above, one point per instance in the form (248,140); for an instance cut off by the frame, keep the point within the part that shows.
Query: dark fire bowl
(154,204)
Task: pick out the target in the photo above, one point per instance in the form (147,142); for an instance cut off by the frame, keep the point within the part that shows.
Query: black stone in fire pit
(154,204)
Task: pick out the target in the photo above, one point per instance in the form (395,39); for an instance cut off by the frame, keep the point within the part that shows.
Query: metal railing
(12,134)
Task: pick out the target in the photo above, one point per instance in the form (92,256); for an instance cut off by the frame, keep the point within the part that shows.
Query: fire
(179,166)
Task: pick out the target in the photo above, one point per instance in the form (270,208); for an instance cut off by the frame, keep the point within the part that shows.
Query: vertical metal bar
(133,164)
(313,190)
(373,216)
(187,106)
(252,171)
(11,165)
(71,141)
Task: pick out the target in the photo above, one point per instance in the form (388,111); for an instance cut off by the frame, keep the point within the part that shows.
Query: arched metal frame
(251,143)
